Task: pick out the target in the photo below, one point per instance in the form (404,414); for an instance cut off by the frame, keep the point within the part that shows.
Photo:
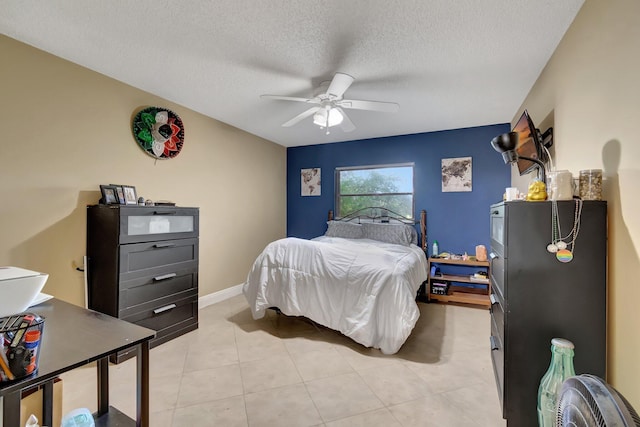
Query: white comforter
(363,288)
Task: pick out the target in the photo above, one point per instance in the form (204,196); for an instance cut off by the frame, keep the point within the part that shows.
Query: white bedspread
(363,288)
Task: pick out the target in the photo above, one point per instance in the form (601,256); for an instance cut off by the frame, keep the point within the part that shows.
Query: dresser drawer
(498,230)
(497,317)
(145,224)
(164,314)
(143,290)
(155,258)
(497,360)
(497,275)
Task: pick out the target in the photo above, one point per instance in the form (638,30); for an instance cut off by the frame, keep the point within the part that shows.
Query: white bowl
(18,288)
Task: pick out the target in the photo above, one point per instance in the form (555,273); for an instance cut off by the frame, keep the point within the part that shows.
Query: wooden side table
(460,294)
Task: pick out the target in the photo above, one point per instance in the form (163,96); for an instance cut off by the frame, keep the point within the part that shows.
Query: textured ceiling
(448,64)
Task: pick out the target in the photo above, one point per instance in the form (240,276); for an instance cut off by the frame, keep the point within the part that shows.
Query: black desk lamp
(506,144)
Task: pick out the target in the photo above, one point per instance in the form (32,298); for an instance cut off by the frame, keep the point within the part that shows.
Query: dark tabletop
(74,336)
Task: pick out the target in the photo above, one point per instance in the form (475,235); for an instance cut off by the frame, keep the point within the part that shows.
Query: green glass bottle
(560,368)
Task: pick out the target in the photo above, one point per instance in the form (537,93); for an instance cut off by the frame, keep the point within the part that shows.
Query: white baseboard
(219,296)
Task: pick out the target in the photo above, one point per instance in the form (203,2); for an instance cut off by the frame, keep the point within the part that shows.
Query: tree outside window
(389,187)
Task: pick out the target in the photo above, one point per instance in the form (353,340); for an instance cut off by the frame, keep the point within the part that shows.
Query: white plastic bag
(32,421)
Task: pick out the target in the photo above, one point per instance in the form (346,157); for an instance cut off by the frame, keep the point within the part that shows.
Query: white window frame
(338,195)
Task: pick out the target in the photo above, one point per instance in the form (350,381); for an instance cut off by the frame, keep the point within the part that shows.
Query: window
(386,186)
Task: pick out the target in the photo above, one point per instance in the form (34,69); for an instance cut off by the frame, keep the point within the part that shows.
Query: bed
(360,278)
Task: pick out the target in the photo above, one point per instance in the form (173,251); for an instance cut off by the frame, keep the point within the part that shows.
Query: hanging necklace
(564,251)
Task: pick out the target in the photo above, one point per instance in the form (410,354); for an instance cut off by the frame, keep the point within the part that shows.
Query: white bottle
(434,250)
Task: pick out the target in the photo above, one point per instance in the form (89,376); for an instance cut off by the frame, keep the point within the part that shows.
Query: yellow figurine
(537,191)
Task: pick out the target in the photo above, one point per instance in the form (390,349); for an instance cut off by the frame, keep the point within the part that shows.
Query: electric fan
(588,401)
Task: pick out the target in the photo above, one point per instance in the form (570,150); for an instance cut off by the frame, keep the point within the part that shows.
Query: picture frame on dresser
(130,196)
(120,194)
(109,195)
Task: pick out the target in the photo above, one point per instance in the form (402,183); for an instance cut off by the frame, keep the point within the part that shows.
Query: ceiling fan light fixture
(327,117)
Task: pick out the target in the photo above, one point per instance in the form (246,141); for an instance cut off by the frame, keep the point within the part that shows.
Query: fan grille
(587,401)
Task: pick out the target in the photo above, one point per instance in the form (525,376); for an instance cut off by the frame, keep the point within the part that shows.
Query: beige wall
(590,92)
(66,129)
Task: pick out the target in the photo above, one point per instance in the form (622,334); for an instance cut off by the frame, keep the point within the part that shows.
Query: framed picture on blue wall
(310,182)
(456,174)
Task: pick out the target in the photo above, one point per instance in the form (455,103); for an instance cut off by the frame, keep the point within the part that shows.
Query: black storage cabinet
(143,267)
(535,298)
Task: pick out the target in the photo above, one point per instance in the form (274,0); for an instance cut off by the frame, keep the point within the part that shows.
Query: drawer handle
(494,343)
(164,213)
(164,245)
(493,299)
(495,212)
(165,308)
(164,277)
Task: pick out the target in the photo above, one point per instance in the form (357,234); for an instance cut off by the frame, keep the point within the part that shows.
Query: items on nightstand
(481,253)
(439,288)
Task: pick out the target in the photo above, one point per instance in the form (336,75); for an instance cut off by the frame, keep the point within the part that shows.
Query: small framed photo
(109,195)
(130,197)
(120,194)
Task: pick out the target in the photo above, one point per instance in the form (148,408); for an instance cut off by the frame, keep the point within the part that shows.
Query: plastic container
(80,417)
(20,336)
(560,368)
(560,185)
(435,250)
(590,184)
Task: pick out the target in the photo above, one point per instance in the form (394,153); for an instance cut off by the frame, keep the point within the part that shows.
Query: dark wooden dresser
(143,267)
(535,298)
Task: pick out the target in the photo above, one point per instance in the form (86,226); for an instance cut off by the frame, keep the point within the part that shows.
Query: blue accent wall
(458,221)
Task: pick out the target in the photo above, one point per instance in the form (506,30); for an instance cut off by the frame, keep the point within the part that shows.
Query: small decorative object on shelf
(560,368)
(537,191)
(481,253)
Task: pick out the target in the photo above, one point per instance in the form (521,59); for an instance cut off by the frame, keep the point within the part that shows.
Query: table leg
(47,404)
(11,409)
(103,385)
(142,385)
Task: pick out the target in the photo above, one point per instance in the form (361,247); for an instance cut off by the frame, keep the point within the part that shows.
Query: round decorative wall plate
(159,132)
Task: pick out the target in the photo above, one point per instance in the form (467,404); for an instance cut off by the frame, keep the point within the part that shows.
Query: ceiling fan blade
(386,107)
(346,125)
(301,117)
(291,98)
(339,84)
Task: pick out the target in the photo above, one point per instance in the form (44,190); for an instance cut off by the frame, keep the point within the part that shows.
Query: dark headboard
(384,215)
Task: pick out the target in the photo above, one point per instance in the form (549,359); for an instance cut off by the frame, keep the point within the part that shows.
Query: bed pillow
(400,234)
(346,230)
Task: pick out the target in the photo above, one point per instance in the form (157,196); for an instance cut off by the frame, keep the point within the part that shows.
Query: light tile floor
(283,371)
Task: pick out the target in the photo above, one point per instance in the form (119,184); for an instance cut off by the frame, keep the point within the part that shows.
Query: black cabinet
(535,298)
(143,267)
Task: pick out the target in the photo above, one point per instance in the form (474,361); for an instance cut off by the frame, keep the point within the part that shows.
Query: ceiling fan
(328,106)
